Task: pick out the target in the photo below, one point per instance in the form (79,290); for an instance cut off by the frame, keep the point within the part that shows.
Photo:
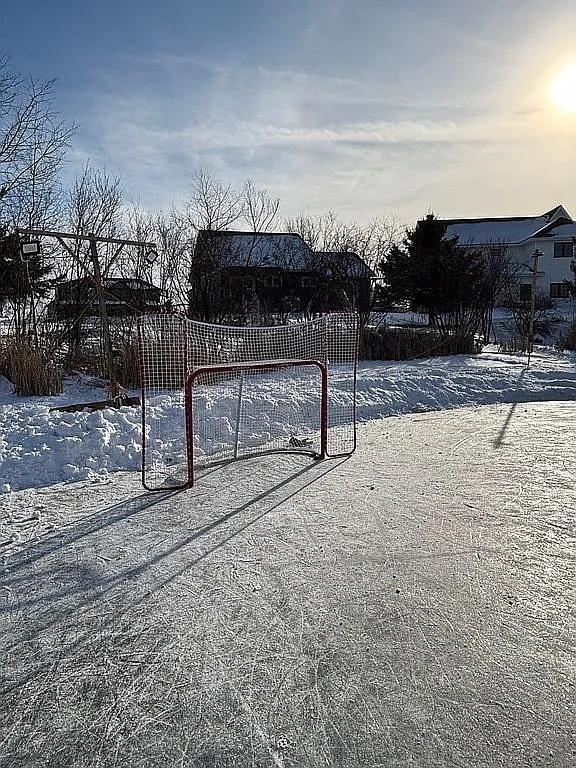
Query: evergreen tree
(22,284)
(433,273)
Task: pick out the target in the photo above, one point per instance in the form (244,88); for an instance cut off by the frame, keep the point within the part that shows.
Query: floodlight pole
(97,276)
(536,255)
(102,308)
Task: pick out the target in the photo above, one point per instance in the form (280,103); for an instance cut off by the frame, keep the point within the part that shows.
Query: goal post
(213,393)
(235,438)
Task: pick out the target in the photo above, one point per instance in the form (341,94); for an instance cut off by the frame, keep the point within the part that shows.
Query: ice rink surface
(412,605)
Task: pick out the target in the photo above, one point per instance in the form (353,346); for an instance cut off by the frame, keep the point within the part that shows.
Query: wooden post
(102,308)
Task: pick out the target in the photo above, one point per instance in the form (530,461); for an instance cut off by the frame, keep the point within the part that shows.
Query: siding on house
(552,233)
(124,296)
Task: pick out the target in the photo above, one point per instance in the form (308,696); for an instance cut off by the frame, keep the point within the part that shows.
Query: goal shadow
(121,556)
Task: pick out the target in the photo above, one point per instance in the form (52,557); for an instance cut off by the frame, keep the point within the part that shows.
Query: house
(124,296)
(552,233)
(274,272)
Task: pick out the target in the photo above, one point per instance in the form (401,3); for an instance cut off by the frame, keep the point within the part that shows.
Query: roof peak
(250,232)
(554,213)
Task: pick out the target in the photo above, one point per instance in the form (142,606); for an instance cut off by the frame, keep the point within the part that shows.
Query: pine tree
(435,274)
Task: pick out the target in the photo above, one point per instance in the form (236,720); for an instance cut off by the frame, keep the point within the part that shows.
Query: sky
(362,107)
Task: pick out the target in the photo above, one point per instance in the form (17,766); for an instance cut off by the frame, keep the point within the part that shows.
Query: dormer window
(564,250)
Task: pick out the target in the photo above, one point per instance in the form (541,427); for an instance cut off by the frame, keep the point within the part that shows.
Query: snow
(483,231)
(39,448)
(412,605)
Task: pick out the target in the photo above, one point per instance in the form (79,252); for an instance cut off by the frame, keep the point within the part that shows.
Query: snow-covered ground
(39,448)
(412,605)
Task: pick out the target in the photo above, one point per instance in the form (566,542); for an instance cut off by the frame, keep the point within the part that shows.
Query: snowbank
(39,448)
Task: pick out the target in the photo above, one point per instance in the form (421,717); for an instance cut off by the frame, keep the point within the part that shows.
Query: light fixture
(151,254)
(30,249)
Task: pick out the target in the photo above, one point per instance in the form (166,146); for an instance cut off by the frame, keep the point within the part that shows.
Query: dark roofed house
(552,233)
(124,296)
(276,273)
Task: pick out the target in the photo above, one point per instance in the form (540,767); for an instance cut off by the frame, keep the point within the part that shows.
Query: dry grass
(568,340)
(30,369)
(406,343)
(128,365)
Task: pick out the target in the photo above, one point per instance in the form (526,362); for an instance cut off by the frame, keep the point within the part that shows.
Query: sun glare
(563,88)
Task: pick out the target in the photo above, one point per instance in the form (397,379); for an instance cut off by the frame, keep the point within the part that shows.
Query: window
(306,282)
(525,292)
(559,290)
(272,281)
(563,250)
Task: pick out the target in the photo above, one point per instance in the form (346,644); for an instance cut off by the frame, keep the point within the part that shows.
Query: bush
(513,345)
(127,364)
(406,343)
(30,370)
(568,341)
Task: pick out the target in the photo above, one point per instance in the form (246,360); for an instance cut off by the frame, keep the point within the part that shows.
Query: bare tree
(93,205)
(212,205)
(259,210)
(33,141)
(168,265)
(327,234)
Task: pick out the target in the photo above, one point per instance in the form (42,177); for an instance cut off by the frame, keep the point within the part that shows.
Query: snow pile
(40,448)
(388,389)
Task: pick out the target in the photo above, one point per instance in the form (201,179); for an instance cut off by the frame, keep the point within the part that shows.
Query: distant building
(276,272)
(124,296)
(553,233)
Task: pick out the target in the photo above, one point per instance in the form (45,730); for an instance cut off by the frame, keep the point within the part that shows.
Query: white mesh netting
(245,409)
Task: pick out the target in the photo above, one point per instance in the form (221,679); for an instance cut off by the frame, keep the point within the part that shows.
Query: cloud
(304,136)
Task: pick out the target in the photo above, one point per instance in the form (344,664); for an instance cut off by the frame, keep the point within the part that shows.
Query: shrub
(408,343)
(568,341)
(30,370)
(513,345)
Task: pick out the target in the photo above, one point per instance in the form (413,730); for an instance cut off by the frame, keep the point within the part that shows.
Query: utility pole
(536,255)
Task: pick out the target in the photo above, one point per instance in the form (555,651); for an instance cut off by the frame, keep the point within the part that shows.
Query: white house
(552,233)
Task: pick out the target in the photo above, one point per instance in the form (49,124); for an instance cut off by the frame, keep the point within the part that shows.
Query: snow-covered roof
(343,264)
(278,250)
(256,249)
(512,230)
(561,230)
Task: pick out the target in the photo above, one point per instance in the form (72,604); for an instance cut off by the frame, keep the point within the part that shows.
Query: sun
(563,88)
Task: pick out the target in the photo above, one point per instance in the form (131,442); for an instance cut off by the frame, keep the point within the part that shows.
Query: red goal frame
(268,365)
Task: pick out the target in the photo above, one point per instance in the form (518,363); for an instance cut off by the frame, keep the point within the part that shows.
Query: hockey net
(212,393)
